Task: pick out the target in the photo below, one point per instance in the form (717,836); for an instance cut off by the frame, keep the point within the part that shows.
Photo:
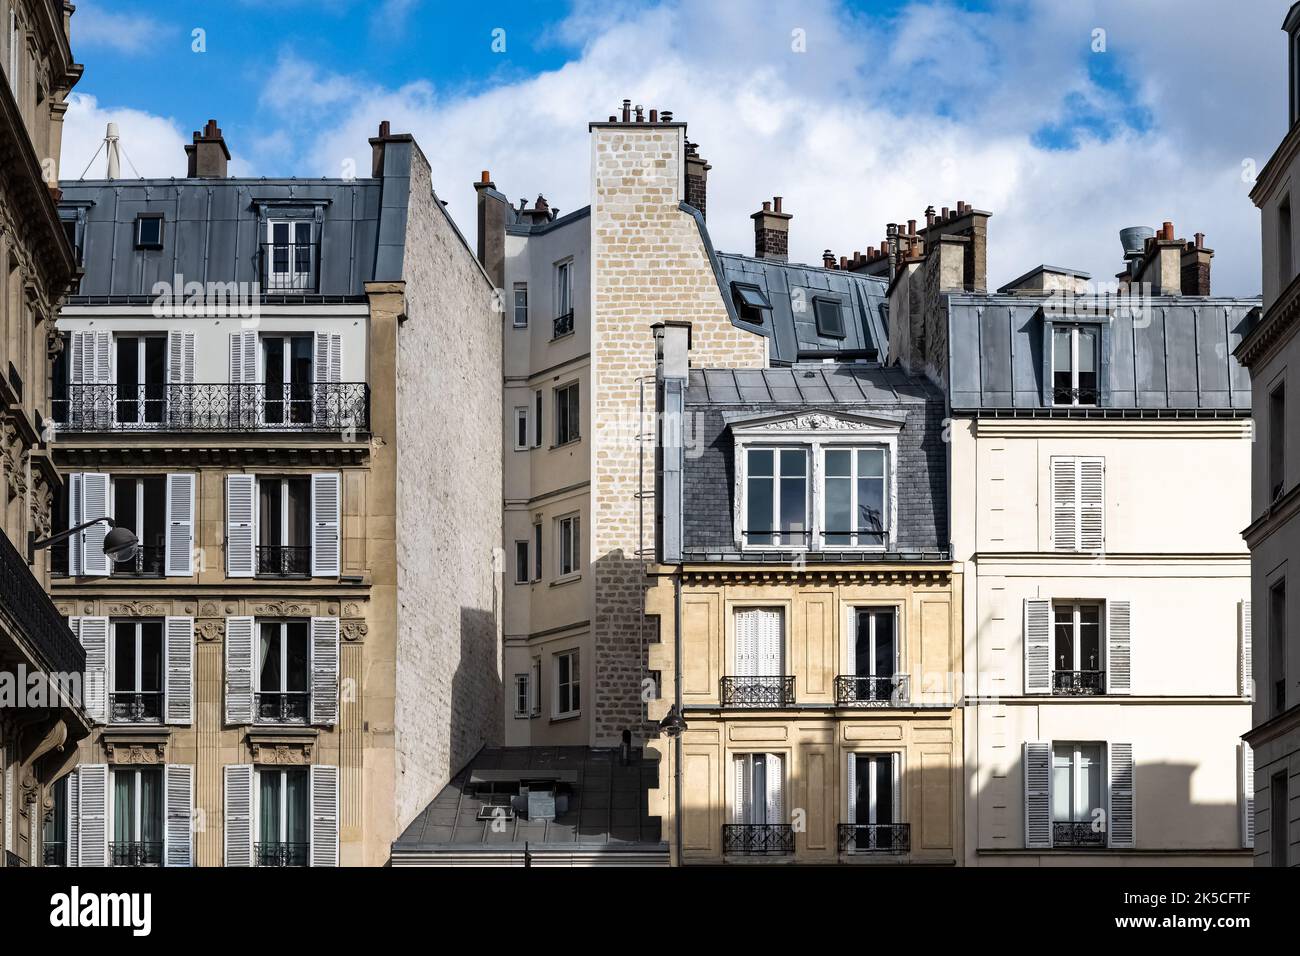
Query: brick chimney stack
(697,177)
(492,210)
(1196,267)
(207,157)
(772,231)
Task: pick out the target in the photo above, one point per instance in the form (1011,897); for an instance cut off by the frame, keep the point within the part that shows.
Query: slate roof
(716,397)
(607,803)
(863,302)
(1176,355)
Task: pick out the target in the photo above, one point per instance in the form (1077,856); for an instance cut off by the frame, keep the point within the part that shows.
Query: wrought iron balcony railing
(875,837)
(13,859)
(33,616)
(563,325)
(1078,683)
(855,690)
(136,707)
(1074,396)
(1077,834)
(283,707)
(757,839)
(280,854)
(290,267)
(213,407)
(767,691)
(54,854)
(135,854)
(284,560)
(148,563)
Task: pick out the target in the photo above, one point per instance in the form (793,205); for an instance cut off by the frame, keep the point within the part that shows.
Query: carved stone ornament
(282,753)
(816,422)
(209,609)
(210,630)
(354,630)
(352,609)
(137,609)
(283,609)
(129,752)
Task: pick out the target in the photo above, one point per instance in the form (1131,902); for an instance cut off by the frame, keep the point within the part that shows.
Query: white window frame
(523,694)
(292,277)
(535,682)
(282,811)
(137,812)
(568,530)
(574,683)
(1074,331)
(895,759)
(518,308)
(576,435)
(284,659)
(138,677)
(799,541)
(865,542)
(1076,797)
(743,805)
(521,421)
(855,611)
(1076,606)
(563,287)
(140,406)
(527,556)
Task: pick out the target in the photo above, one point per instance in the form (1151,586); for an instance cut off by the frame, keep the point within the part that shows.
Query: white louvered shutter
(1119,643)
(1038,795)
(94,504)
(178,636)
(1038,646)
(746,643)
(239,670)
(238,811)
(93,634)
(740,769)
(10,811)
(180,524)
(243,357)
(1065,504)
(180,357)
(896,774)
(103,358)
(92,822)
(1247,766)
(1092,504)
(178,812)
(852,778)
(74,818)
(1119,765)
(324,670)
(769,642)
(1245,677)
(329,357)
(241,526)
(74,519)
(775,789)
(76,357)
(325,503)
(324,816)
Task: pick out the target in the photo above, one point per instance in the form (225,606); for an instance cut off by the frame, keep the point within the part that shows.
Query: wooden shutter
(178,812)
(1119,765)
(239,670)
(178,636)
(852,777)
(180,525)
(740,768)
(94,504)
(1065,504)
(325,488)
(1092,504)
(74,818)
(74,519)
(1038,646)
(180,357)
(329,357)
(92,820)
(324,816)
(238,810)
(1119,620)
(1247,768)
(93,634)
(324,670)
(775,777)
(1245,678)
(241,526)
(1038,795)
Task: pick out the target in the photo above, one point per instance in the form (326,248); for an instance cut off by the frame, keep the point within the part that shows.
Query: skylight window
(830,318)
(752,302)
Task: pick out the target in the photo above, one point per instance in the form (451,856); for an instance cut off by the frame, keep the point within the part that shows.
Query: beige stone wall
(648,265)
(446,429)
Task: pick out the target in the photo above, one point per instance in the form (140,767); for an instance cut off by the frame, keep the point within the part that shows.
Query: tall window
(568,696)
(873,801)
(284,526)
(854,500)
(137,817)
(564,288)
(1277,441)
(521,305)
(283,665)
(521,562)
(1285,254)
(521,428)
(141,505)
(537,550)
(289,256)
(137,672)
(874,677)
(1077,649)
(569,555)
(760,782)
(1277,643)
(1074,365)
(776,497)
(1077,794)
(141,378)
(1279,819)
(288,374)
(282,824)
(535,671)
(566,414)
(521,695)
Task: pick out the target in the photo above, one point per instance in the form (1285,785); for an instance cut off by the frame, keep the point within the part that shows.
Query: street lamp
(673,723)
(120,543)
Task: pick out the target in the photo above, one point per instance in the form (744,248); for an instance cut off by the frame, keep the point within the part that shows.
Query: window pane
(124,657)
(881,767)
(794,506)
(298,657)
(760,462)
(269,806)
(793,463)
(1061,350)
(871,463)
(1090,770)
(839,509)
(1062,758)
(151,640)
(758,509)
(269,655)
(885,643)
(295,824)
(871,508)
(1087,350)
(1090,637)
(839,463)
(1063,653)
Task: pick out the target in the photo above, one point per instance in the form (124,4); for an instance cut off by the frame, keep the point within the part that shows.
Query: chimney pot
(911,227)
(207,156)
(1168,230)
(844,262)
(943,215)
(828,260)
(654,116)
(1200,240)
(485,177)
(767,206)
(640,113)
(776,203)
(627,110)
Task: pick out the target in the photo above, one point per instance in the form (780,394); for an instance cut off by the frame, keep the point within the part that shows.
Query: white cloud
(120,31)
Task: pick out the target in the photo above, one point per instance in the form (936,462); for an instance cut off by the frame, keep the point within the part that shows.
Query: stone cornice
(1273,328)
(781,574)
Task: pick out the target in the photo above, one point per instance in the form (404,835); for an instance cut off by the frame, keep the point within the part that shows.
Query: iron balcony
(757,839)
(34,618)
(854,690)
(280,854)
(1078,683)
(1077,834)
(283,707)
(213,407)
(136,707)
(135,854)
(875,837)
(284,561)
(761,691)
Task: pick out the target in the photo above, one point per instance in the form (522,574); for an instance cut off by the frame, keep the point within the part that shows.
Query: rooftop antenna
(112,152)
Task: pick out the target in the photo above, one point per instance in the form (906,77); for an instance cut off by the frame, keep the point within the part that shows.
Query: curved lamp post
(120,543)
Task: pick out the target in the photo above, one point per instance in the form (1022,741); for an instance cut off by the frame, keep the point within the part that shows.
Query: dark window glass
(830,318)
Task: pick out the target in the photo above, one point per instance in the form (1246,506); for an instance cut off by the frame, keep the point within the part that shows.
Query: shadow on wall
(617,634)
(476,689)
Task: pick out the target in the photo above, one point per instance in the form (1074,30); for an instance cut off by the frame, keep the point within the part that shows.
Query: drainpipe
(677,698)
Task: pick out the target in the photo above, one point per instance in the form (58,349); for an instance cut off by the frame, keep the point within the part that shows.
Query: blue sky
(888,106)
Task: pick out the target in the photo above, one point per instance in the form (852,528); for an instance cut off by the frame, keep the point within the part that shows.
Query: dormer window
(830,317)
(1074,365)
(149,231)
(751,302)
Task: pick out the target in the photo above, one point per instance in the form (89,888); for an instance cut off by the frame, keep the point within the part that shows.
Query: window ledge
(567,579)
(566,444)
(563,718)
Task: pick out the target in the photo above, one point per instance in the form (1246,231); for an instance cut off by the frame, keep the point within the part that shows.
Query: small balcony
(37,622)
(854,690)
(1078,683)
(290,268)
(136,707)
(280,854)
(886,838)
(283,561)
(135,854)
(1078,834)
(758,839)
(54,854)
(766,691)
(563,325)
(283,707)
(149,562)
(212,407)
(1074,396)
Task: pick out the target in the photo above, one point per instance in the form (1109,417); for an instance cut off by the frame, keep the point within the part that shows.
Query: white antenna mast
(111,148)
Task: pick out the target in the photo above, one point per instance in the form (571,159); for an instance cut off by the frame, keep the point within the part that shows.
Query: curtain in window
(296,808)
(151,808)
(268,816)
(123,809)
(270,658)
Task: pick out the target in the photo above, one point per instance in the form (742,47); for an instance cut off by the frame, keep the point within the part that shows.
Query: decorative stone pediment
(137,609)
(818,421)
(136,747)
(282,609)
(281,749)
